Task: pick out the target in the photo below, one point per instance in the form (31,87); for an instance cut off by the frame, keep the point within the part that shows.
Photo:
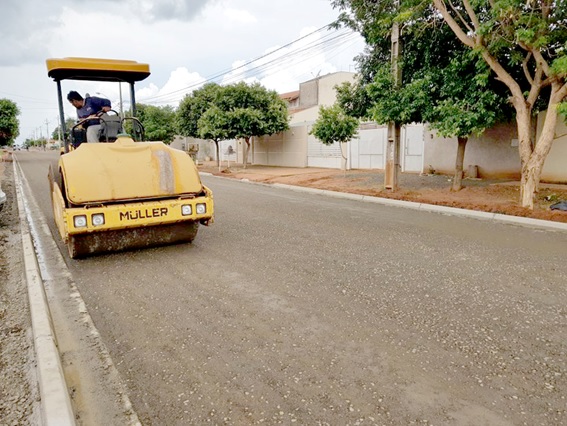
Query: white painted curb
(56,409)
(453,211)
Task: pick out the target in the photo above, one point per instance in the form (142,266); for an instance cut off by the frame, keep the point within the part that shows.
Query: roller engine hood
(127,171)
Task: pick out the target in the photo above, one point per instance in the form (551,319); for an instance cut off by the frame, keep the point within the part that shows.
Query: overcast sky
(185,42)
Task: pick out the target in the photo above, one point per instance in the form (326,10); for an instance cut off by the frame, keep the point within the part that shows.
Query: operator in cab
(89,107)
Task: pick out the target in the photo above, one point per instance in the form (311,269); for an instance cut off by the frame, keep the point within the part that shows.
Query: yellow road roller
(121,193)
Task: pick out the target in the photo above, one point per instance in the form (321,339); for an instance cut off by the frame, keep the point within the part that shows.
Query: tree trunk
(246,149)
(218,154)
(458,180)
(533,157)
(525,147)
(531,169)
(344,159)
(528,186)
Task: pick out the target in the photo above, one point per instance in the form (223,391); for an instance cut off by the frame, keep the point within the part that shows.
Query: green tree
(9,123)
(512,35)
(191,110)
(468,104)
(69,123)
(28,143)
(442,82)
(252,110)
(334,125)
(232,112)
(213,125)
(158,122)
(458,99)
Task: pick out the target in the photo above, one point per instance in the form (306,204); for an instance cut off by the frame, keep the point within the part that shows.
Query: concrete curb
(453,211)
(55,404)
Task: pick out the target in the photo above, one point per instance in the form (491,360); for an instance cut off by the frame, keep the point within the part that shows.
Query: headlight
(80,221)
(201,208)
(186,210)
(98,219)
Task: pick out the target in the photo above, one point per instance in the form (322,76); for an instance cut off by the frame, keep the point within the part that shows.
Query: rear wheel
(73,247)
(54,175)
(55,178)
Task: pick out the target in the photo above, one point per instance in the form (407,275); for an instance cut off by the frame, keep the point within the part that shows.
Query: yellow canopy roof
(96,69)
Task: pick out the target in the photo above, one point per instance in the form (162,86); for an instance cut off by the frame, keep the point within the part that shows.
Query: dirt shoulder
(495,196)
(18,392)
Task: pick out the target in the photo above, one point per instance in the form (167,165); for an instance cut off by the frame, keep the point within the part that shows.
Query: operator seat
(110,127)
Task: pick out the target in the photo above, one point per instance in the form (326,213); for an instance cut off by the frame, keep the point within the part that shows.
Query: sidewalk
(488,195)
(372,178)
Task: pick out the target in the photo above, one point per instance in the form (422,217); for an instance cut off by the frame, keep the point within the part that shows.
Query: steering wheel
(101,113)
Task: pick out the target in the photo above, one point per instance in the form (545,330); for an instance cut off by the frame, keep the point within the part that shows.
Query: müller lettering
(143,214)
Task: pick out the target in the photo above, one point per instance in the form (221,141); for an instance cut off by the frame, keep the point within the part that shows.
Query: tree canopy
(197,116)
(193,106)
(520,44)
(9,123)
(438,73)
(158,122)
(334,125)
(442,82)
(69,123)
(232,112)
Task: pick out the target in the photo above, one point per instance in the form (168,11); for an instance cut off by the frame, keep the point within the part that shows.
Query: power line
(329,43)
(27,98)
(222,73)
(303,52)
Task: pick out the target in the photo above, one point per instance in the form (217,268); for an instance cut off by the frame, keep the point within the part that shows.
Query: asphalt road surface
(300,308)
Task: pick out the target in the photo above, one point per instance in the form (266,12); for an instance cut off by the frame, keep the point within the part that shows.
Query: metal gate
(412,148)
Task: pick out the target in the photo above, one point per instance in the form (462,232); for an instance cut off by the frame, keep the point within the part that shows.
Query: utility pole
(120,91)
(393,145)
(47,138)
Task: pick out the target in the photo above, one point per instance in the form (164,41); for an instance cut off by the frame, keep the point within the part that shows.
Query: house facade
(492,155)
(555,167)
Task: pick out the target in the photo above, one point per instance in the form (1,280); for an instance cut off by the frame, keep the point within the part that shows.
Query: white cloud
(156,10)
(185,43)
(181,81)
(239,16)
(238,72)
